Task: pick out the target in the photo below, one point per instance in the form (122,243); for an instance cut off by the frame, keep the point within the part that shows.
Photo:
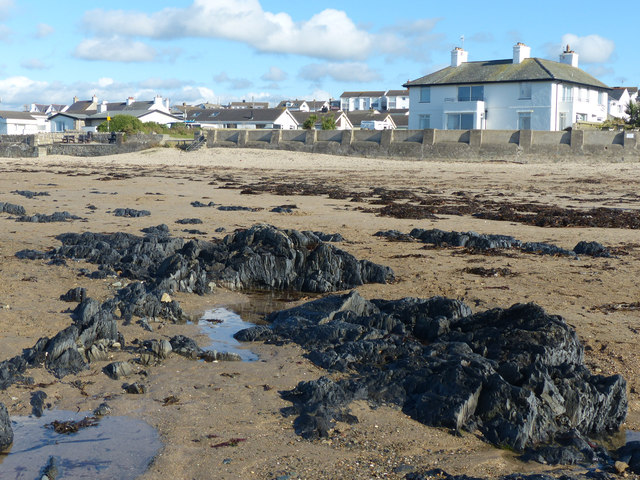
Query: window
(567,93)
(524,120)
(459,121)
(471,94)
(562,120)
(425,122)
(525,91)
(581,117)
(600,98)
(425,94)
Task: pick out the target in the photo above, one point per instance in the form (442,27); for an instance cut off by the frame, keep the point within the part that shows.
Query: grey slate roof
(357,116)
(82,106)
(238,115)
(16,115)
(616,93)
(397,93)
(499,71)
(373,94)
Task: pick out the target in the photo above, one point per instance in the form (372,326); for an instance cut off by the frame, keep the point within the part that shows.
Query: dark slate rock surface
(12,209)
(131,212)
(30,194)
(515,374)
(6,431)
(261,257)
(54,217)
(439,474)
(476,241)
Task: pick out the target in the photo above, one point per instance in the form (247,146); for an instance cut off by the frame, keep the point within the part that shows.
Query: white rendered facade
(535,104)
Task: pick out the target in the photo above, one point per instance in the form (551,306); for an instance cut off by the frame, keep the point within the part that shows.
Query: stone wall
(15,146)
(468,145)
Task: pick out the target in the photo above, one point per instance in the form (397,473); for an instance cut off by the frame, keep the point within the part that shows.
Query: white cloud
(43,30)
(274,75)
(330,34)
(114,49)
(33,64)
(5,33)
(233,83)
(591,49)
(105,82)
(342,72)
(162,83)
(5,6)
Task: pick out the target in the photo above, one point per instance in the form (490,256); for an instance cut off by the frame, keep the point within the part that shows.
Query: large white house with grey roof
(521,93)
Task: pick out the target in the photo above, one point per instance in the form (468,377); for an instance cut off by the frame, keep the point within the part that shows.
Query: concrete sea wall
(468,145)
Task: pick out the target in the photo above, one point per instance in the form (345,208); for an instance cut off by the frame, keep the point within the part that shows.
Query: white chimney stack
(520,53)
(102,107)
(569,57)
(458,56)
(130,100)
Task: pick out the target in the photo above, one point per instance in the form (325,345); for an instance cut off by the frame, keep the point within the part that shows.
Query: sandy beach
(220,401)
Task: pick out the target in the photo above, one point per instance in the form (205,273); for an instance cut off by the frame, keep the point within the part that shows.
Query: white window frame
(525,91)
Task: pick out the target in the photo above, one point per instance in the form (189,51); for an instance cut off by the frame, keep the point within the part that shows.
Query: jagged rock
(593,249)
(199,204)
(131,212)
(134,388)
(262,257)
(54,217)
(77,294)
(515,374)
(118,370)
(160,348)
(12,209)
(215,356)
(442,475)
(96,353)
(630,454)
(476,241)
(189,221)
(102,410)
(50,471)
(11,371)
(6,431)
(328,237)
(37,402)
(29,194)
(161,230)
(185,346)
(29,254)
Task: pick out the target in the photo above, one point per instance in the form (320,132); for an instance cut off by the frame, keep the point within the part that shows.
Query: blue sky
(267,50)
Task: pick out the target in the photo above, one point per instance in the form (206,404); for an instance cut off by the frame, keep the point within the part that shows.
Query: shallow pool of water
(118,447)
(220,324)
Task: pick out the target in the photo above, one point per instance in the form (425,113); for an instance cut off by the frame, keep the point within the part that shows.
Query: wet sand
(218,402)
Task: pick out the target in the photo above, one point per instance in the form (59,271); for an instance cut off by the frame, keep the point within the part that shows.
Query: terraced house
(521,93)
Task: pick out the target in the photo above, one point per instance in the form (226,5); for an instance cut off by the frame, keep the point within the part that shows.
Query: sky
(219,51)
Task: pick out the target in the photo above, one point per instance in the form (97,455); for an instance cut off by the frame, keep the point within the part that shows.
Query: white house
(518,93)
(395,100)
(22,123)
(619,98)
(341,120)
(350,101)
(372,120)
(243,118)
(88,114)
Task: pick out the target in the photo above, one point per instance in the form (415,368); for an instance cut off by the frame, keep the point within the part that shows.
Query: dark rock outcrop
(37,402)
(54,217)
(131,212)
(515,374)
(30,194)
(476,241)
(77,294)
(261,257)
(6,431)
(12,209)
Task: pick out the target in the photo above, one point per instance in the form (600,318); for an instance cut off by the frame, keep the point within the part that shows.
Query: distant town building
(619,99)
(242,118)
(518,93)
(22,123)
(88,114)
(245,104)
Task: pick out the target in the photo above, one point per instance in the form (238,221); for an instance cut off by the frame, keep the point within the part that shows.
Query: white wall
(503,106)
(24,127)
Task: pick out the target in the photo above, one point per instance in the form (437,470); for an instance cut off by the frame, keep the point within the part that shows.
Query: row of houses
(87,115)
(521,92)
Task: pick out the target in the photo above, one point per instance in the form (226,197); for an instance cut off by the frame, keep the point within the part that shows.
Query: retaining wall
(468,145)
